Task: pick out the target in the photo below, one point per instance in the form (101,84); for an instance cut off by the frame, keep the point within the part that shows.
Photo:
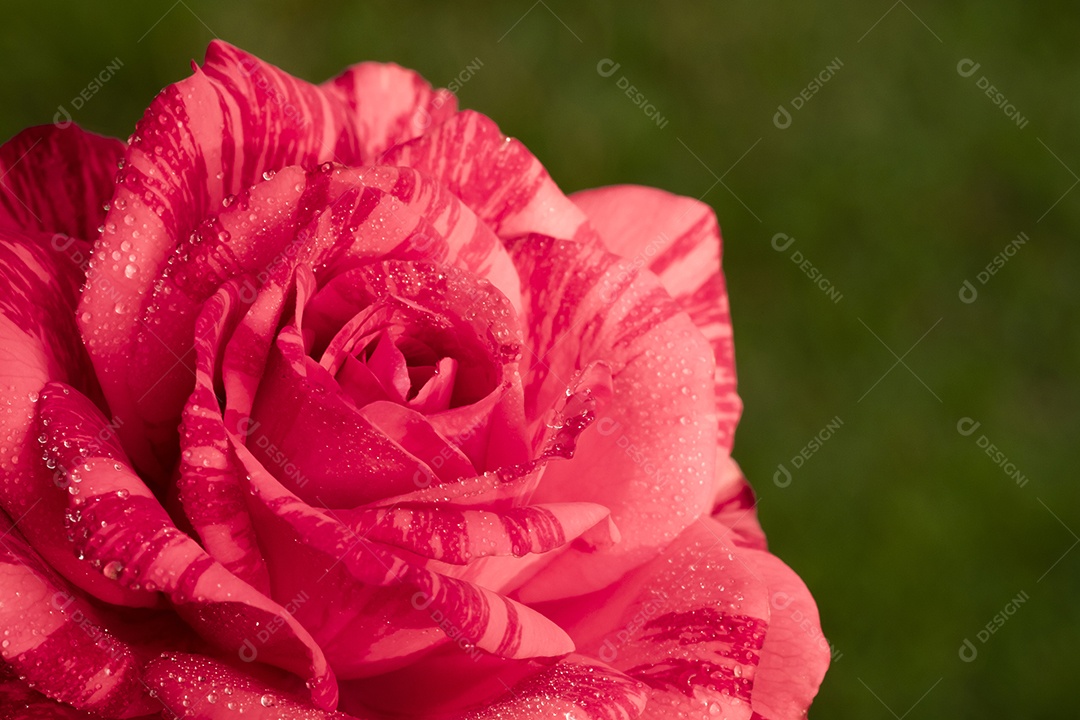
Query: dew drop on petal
(112,569)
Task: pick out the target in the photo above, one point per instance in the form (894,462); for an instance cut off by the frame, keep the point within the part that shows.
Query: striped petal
(19,702)
(650,455)
(461,536)
(796,653)
(678,240)
(57,642)
(577,687)
(209,485)
(196,687)
(691,625)
(56,179)
(117,525)
(735,505)
(39,343)
(388,105)
(496,176)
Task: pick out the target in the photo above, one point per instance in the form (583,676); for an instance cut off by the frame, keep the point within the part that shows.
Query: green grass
(899,179)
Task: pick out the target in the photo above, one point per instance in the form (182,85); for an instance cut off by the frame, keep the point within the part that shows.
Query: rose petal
(415,434)
(19,702)
(55,180)
(459,316)
(650,455)
(38,343)
(678,240)
(57,642)
(117,524)
(461,536)
(496,176)
(389,104)
(209,485)
(577,687)
(196,687)
(322,446)
(691,624)
(796,654)
(735,505)
(459,685)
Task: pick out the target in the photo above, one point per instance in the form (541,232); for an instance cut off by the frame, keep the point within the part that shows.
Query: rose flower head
(323,401)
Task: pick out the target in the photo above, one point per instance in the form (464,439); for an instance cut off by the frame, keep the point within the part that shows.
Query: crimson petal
(38,343)
(57,642)
(196,687)
(55,179)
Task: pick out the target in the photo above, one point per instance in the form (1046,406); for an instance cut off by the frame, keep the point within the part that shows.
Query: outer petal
(678,240)
(55,180)
(711,628)
(736,506)
(389,104)
(496,176)
(650,456)
(57,642)
(796,654)
(691,625)
(38,343)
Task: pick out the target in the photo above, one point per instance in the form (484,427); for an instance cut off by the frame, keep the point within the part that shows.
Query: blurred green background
(898,179)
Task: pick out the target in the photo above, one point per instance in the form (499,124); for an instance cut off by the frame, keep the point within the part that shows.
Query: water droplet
(267,700)
(268,175)
(112,569)
(130,270)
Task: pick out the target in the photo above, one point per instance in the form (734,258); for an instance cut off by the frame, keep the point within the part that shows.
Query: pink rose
(356,412)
